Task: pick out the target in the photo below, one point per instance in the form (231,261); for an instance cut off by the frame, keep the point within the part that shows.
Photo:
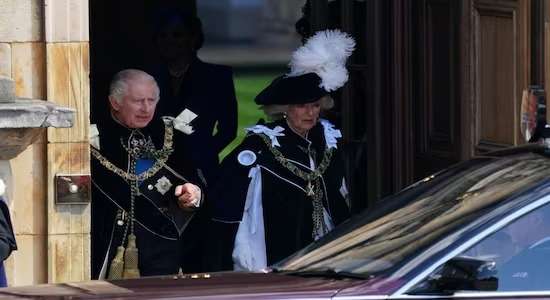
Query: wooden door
(497,68)
(436,86)
(433,82)
(472,59)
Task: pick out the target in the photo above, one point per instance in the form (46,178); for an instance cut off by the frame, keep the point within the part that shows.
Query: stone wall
(22,57)
(44,48)
(67,45)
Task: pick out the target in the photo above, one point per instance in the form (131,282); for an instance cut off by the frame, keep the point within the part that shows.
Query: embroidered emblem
(309,189)
(163,185)
(246,158)
(139,146)
(183,120)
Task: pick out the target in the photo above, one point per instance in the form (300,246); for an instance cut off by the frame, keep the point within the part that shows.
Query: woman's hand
(189,196)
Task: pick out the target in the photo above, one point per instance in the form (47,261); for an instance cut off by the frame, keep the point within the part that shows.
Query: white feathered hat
(316,68)
(324,54)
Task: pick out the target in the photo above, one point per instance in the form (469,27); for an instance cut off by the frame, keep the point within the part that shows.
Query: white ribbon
(182,121)
(271,133)
(249,252)
(331,134)
(94,136)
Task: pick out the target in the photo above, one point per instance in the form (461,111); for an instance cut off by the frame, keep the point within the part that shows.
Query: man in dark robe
(144,205)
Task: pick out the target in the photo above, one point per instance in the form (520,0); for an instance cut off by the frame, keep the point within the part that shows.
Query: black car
(478,230)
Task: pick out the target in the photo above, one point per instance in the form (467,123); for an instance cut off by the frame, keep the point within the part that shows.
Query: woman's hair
(277,111)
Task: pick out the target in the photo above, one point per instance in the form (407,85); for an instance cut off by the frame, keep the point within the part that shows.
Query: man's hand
(189,196)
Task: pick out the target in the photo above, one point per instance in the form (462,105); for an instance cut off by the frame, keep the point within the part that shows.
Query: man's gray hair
(119,85)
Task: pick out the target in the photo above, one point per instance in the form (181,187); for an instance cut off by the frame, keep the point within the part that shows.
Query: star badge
(163,185)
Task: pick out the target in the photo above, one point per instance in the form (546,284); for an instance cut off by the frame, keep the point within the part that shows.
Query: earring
(284,115)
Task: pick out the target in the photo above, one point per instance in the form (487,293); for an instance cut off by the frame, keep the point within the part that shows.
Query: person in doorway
(143,198)
(203,91)
(283,186)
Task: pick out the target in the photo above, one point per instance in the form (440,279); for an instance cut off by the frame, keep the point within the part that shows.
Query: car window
(515,258)
(421,216)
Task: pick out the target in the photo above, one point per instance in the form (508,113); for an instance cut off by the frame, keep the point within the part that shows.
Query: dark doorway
(436,85)
(121,36)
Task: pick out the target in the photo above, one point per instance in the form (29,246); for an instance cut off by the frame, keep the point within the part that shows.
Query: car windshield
(375,243)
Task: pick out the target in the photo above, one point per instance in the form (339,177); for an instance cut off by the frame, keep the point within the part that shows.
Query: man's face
(137,108)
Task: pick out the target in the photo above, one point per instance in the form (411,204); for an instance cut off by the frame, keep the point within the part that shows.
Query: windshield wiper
(329,273)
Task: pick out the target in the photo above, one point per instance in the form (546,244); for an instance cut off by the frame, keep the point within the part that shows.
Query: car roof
(431,209)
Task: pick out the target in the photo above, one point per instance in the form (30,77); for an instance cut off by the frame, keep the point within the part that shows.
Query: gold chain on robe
(313,187)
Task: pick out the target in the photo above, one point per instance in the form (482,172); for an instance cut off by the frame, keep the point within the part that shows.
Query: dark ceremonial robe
(208,91)
(7,237)
(7,240)
(163,246)
(287,210)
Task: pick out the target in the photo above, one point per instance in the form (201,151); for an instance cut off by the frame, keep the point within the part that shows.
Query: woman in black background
(283,186)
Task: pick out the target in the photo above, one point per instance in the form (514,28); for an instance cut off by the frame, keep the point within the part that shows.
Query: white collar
(331,133)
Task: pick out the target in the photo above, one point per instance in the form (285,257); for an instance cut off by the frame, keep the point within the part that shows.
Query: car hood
(223,285)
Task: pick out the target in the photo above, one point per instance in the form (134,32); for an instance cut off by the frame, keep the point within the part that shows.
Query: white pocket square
(181,122)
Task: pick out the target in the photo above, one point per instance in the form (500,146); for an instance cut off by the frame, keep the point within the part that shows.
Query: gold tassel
(117,264)
(131,269)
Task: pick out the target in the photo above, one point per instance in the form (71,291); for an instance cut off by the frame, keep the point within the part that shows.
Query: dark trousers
(160,256)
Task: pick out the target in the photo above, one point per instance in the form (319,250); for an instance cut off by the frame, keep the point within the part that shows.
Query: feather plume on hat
(324,54)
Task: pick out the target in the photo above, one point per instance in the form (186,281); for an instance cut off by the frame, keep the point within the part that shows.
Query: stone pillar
(44,49)
(22,57)
(66,31)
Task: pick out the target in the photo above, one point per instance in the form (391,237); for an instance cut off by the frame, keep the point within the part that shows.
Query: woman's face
(302,117)
(175,41)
